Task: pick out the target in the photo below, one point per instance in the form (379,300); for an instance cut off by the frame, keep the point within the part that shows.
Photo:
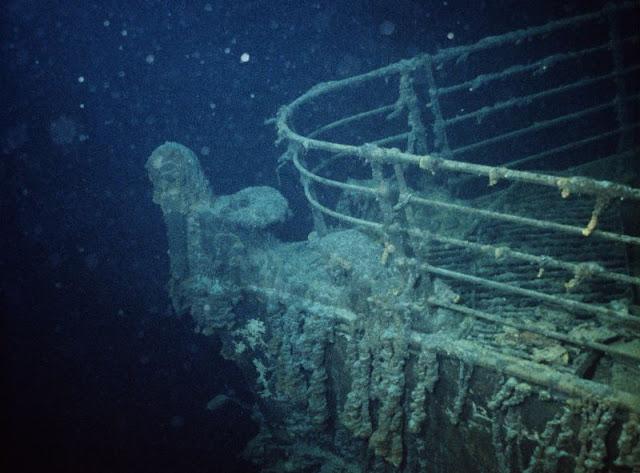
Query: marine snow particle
(150,59)
(244,57)
(450,35)
(63,130)
(81,79)
(387,28)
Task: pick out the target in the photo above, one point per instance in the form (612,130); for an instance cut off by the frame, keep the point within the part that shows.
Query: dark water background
(98,374)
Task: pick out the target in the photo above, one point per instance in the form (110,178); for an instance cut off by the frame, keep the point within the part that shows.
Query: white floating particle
(450,35)
(81,79)
(150,59)
(106,23)
(387,28)
(227,50)
(124,33)
(244,57)
(208,7)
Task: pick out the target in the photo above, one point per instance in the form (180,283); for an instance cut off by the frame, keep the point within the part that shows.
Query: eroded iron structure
(468,299)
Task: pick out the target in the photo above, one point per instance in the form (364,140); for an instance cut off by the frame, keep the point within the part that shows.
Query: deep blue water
(99,374)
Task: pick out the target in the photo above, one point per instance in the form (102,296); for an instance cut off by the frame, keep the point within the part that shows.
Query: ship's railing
(506,128)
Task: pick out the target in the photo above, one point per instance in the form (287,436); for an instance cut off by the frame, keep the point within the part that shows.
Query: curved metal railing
(545,231)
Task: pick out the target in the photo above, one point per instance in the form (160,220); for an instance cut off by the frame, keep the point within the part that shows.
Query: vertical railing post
(417,140)
(439,127)
(416,144)
(393,240)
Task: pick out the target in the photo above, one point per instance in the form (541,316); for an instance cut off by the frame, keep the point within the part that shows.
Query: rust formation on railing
(501,168)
